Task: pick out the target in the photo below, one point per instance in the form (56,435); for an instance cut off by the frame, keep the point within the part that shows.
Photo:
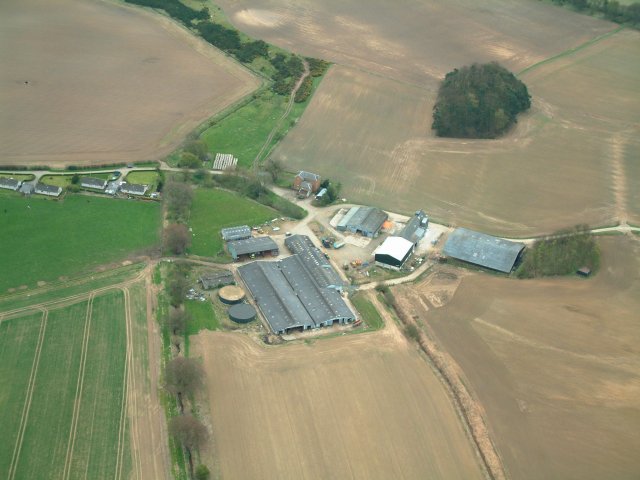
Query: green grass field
(18,176)
(43,240)
(145,178)
(72,423)
(214,209)
(370,315)
(202,317)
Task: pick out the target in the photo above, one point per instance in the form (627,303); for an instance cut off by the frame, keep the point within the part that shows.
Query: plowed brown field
(570,160)
(364,406)
(88,82)
(555,363)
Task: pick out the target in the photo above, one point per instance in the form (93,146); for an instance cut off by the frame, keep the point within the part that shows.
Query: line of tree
(611,10)
(479,101)
(175,9)
(562,253)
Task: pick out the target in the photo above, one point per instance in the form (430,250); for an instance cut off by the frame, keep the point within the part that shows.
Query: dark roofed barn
(416,227)
(323,272)
(236,233)
(211,280)
(364,220)
(253,246)
(482,249)
(133,188)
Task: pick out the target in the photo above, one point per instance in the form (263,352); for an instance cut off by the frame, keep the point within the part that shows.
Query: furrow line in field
(27,403)
(132,391)
(78,398)
(123,404)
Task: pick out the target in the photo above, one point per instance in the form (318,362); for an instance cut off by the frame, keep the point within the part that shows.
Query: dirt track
(363,406)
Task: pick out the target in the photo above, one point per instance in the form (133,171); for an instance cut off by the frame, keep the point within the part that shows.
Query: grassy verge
(24,177)
(203,317)
(43,240)
(369,313)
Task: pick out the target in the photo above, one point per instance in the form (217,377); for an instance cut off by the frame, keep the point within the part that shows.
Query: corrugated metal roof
(413,230)
(482,249)
(365,219)
(314,260)
(92,182)
(10,183)
(251,245)
(236,233)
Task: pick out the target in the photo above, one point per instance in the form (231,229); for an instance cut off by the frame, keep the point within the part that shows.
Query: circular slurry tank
(231,294)
(242,313)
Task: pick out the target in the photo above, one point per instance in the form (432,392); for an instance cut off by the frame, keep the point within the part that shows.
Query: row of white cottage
(85,182)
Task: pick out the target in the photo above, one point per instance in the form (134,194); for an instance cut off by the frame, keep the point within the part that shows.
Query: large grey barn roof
(367,219)
(414,230)
(482,249)
(10,183)
(92,182)
(313,259)
(235,233)
(252,245)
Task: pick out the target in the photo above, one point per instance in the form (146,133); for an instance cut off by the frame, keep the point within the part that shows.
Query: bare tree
(188,431)
(177,321)
(178,197)
(183,376)
(177,238)
(177,286)
(274,168)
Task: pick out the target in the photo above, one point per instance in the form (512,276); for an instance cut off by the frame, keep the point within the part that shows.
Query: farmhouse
(236,233)
(212,280)
(94,183)
(416,227)
(293,294)
(133,188)
(482,249)
(50,190)
(224,161)
(306,183)
(10,184)
(250,247)
(364,220)
(393,252)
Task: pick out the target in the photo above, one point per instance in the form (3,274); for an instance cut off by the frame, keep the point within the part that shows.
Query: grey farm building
(364,220)
(482,249)
(299,292)
(250,247)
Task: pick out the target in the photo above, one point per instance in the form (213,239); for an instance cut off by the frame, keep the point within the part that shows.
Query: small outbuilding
(242,313)
(10,184)
(584,272)
(250,247)
(93,183)
(212,280)
(393,252)
(49,190)
(236,233)
(416,227)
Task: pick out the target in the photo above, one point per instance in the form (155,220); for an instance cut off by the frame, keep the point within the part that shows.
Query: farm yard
(369,122)
(554,362)
(214,209)
(76,374)
(121,83)
(62,238)
(364,404)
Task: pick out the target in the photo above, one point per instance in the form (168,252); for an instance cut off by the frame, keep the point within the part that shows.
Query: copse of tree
(317,67)
(610,9)
(562,253)
(479,101)
(178,197)
(175,9)
(183,376)
(226,39)
(198,148)
(176,286)
(177,238)
(251,50)
(332,193)
(176,321)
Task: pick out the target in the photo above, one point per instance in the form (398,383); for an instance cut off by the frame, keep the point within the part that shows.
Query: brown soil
(359,406)
(553,362)
(94,82)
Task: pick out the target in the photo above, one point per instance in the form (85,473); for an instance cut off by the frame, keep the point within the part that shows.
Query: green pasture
(214,209)
(43,239)
(18,176)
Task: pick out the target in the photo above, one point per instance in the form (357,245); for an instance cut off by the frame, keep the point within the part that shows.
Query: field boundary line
(24,418)
(573,50)
(123,403)
(79,385)
(132,390)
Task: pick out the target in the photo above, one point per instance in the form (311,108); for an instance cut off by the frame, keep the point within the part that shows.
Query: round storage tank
(242,313)
(231,294)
